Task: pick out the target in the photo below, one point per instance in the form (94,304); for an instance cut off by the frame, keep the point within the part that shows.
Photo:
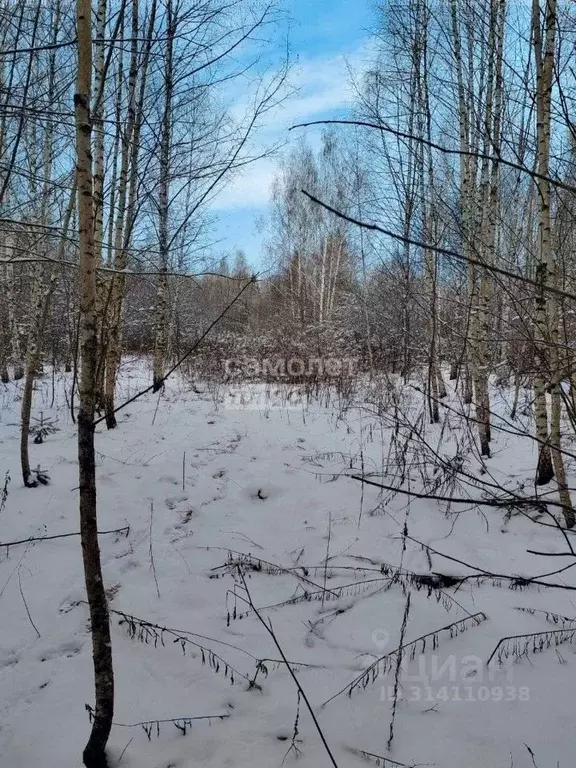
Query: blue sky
(326,37)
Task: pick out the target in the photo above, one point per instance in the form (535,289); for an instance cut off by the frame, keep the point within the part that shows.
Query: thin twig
(156,409)
(151,551)
(493,158)
(513,501)
(178,363)
(171,720)
(270,631)
(125,529)
(397,671)
(437,249)
(26,604)
(520,580)
(327,557)
(124,750)
(531,635)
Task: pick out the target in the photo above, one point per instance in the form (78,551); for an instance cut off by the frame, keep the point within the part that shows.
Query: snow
(270,482)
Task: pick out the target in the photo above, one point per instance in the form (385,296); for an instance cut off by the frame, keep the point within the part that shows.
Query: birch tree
(41,288)
(161,309)
(113,309)
(548,375)
(94,753)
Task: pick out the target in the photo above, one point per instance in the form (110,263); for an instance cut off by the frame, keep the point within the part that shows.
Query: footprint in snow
(186,517)
(68,649)
(173,501)
(216,497)
(129,565)
(9,660)
(107,480)
(71,601)
(169,479)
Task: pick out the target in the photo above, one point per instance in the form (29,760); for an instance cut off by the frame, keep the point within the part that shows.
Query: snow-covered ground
(201,481)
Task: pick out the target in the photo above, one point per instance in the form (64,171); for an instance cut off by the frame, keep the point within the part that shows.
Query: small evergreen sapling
(41,430)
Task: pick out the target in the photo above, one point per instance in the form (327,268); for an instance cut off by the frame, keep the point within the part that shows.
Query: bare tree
(94,752)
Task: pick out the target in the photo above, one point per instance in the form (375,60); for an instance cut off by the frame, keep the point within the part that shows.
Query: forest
(297,502)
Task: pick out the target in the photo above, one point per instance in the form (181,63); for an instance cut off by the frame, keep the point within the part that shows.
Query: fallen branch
(386,663)
(535,642)
(513,501)
(147,632)
(182,723)
(515,581)
(377,760)
(125,529)
(553,618)
(346,590)
(550,554)
(258,565)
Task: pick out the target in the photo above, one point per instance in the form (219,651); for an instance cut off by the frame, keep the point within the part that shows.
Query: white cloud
(323,84)
(322,87)
(250,188)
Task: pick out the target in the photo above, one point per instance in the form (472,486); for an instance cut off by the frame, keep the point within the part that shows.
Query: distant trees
(308,248)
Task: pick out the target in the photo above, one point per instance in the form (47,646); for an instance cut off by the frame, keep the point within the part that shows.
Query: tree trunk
(94,753)
(118,281)
(98,182)
(161,315)
(123,239)
(467,189)
(41,307)
(558,459)
(15,335)
(40,290)
(545,271)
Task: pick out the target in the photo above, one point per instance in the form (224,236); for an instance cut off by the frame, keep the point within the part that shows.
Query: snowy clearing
(205,486)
